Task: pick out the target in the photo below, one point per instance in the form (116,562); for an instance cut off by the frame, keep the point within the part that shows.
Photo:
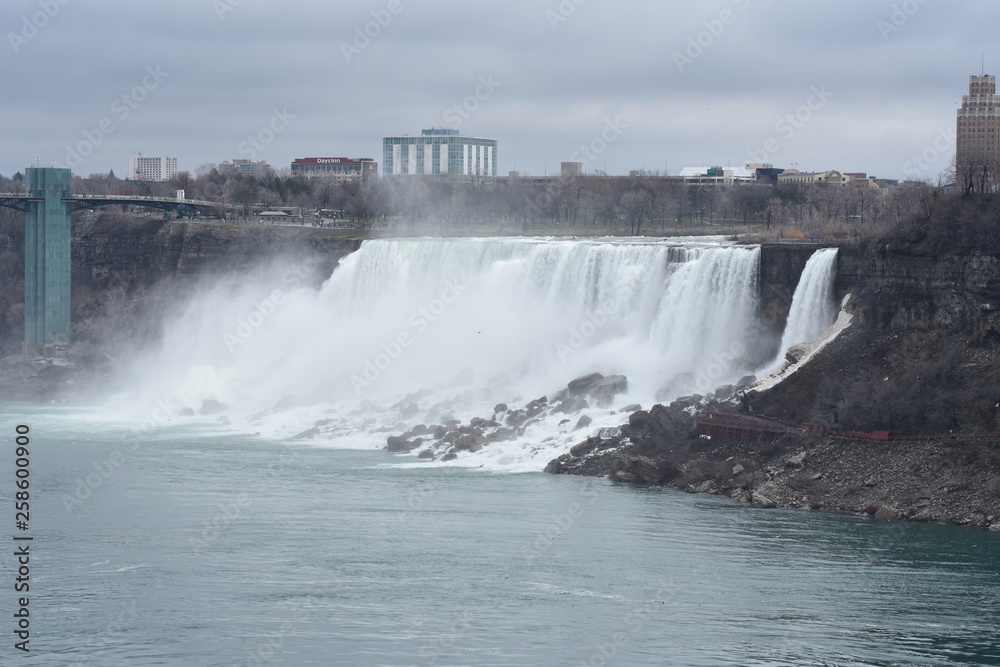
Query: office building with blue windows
(439,152)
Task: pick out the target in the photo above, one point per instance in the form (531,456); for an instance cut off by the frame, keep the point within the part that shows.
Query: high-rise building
(151,168)
(439,152)
(979,123)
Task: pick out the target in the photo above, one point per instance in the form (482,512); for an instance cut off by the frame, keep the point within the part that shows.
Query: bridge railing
(139,199)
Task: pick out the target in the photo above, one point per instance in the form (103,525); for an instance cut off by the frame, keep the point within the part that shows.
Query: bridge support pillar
(47,235)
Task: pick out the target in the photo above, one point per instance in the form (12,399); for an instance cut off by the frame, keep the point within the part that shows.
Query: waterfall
(455,326)
(814,305)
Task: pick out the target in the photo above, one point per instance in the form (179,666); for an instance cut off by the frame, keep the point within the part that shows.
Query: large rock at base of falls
(400,445)
(210,406)
(598,385)
(581,385)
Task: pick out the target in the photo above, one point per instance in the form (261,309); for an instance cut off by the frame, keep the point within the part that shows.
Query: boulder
(584,448)
(571,405)
(306,434)
(468,442)
(638,420)
(609,386)
(795,353)
(583,422)
(500,408)
(210,406)
(758,499)
(723,392)
(797,460)
(398,444)
(581,385)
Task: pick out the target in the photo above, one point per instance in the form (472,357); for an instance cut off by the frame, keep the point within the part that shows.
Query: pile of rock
(450,438)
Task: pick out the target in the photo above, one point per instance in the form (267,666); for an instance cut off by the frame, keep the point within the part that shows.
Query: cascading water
(814,306)
(425,330)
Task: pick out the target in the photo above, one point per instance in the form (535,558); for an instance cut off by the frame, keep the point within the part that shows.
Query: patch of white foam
(840,324)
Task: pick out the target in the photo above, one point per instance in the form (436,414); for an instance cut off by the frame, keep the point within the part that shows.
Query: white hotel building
(439,152)
(151,168)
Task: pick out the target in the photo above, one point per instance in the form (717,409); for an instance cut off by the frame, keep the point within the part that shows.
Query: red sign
(325,160)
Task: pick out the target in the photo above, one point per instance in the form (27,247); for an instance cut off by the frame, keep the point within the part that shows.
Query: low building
(336,168)
(717,175)
(571,169)
(248,168)
(832,177)
(766,172)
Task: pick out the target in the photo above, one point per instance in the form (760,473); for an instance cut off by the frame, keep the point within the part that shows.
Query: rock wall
(135,252)
(781,266)
(900,288)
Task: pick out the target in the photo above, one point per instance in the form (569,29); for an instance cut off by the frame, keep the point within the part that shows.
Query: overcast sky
(654,84)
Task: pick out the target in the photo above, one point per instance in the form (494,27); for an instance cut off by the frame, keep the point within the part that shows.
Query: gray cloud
(895,78)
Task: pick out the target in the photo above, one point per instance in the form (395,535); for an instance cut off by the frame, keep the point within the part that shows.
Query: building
(151,168)
(439,152)
(335,168)
(832,177)
(765,171)
(978,136)
(717,175)
(570,169)
(242,167)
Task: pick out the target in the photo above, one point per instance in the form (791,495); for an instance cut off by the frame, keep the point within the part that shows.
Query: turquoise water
(201,549)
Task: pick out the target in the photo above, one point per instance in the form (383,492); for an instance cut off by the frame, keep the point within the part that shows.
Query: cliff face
(117,257)
(897,288)
(781,266)
(130,253)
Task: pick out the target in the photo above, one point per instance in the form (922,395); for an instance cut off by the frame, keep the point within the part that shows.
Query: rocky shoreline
(948,482)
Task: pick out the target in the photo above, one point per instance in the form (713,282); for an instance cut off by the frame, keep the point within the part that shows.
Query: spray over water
(428,330)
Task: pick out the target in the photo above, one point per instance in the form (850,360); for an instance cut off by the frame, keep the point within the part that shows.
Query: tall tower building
(979,124)
(151,168)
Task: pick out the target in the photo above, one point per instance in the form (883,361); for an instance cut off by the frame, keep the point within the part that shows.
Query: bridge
(47,206)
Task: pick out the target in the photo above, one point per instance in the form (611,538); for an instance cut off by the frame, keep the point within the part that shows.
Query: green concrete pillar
(47,259)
